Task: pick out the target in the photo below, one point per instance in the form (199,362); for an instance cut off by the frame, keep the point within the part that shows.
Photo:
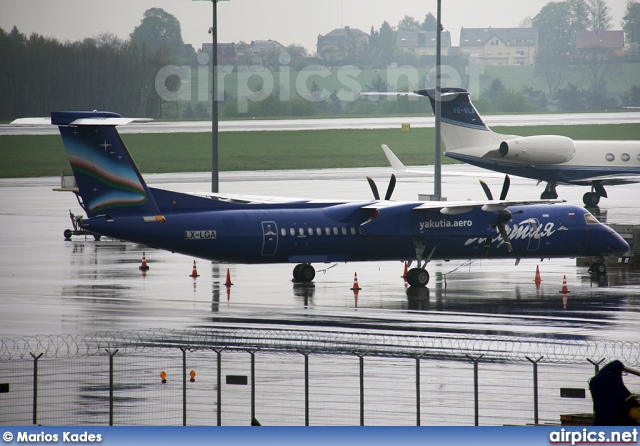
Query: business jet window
(335,231)
(353,230)
(292,231)
(590,219)
(327,230)
(609,157)
(283,232)
(301,232)
(310,231)
(344,231)
(318,231)
(625,157)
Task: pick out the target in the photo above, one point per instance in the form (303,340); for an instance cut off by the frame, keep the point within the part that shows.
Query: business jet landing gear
(549,192)
(303,273)
(591,199)
(418,277)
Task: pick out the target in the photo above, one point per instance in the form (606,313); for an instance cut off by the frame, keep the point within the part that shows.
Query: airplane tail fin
(461,124)
(107,177)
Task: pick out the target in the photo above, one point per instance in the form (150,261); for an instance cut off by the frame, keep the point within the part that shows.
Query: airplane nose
(617,244)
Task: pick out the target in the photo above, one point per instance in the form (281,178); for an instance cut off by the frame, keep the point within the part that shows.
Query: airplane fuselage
(591,159)
(341,232)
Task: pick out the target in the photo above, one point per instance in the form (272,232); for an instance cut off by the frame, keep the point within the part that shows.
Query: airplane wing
(608,179)
(457,207)
(260,199)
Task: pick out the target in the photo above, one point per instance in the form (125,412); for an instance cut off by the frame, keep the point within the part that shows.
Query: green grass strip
(37,156)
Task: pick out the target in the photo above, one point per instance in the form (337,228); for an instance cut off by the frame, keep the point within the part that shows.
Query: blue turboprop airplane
(219,227)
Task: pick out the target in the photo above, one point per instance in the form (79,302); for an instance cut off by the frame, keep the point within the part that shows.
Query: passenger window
(310,231)
(335,231)
(292,231)
(353,230)
(344,230)
(301,232)
(327,230)
(283,232)
(318,231)
(609,157)
(625,157)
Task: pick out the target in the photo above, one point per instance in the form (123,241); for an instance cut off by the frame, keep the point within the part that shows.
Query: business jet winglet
(219,227)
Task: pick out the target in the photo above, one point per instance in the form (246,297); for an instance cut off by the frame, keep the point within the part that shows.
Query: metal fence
(298,377)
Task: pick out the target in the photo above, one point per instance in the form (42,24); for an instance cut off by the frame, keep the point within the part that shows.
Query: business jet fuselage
(552,159)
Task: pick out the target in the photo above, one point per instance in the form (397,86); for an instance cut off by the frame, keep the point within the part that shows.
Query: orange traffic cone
(194,273)
(144,266)
(356,287)
(538,279)
(228,281)
(564,289)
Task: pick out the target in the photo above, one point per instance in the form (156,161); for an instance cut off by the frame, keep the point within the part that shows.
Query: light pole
(215,167)
(437,163)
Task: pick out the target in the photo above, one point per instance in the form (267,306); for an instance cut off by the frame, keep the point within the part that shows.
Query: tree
(599,15)
(159,29)
(408,24)
(387,43)
(631,98)
(430,23)
(526,22)
(557,24)
(631,22)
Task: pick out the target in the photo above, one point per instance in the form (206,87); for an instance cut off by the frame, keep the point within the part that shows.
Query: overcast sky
(287,21)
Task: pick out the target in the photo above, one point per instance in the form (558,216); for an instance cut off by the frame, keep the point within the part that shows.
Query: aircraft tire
(591,199)
(304,273)
(67,234)
(418,277)
(598,268)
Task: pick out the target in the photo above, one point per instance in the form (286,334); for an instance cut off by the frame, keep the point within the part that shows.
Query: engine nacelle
(540,149)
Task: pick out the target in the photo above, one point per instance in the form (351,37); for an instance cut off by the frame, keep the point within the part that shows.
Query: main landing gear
(590,199)
(303,273)
(417,277)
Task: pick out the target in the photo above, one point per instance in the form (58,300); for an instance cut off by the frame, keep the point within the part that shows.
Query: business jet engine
(540,149)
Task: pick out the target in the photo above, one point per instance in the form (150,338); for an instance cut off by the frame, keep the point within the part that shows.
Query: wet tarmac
(51,286)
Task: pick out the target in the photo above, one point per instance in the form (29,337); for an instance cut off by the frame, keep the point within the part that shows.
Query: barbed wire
(443,346)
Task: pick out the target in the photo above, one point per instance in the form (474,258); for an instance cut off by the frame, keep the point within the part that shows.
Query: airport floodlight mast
(215,167)
(437,163)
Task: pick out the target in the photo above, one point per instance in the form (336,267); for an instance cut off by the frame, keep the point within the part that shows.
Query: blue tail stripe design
(456,107)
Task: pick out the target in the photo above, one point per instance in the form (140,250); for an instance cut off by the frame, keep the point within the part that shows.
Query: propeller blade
(505,187)
(374,188)
(391,187)
(487,191)
(505,236)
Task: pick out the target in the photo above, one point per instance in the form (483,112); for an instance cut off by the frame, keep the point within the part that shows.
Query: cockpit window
(590,219)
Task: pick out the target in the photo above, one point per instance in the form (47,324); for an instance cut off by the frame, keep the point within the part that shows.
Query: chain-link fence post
(476,406)
(596,365)
(306,354)
(253,385)
(35,386)
(219,383)
(361,356)
(417,358)
(184,386)
(111,355)
(535,386)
